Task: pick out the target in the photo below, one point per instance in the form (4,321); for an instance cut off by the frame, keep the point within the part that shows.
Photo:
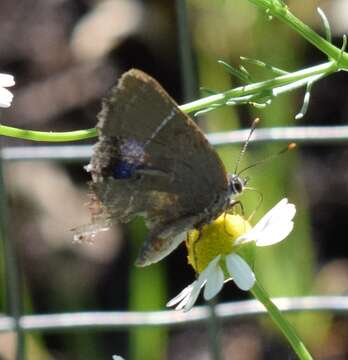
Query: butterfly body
(153,160)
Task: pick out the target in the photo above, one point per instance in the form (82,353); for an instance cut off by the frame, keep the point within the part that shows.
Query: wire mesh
(67,322)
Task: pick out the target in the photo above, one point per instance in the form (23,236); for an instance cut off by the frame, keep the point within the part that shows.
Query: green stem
(283,83)
(47,136)
(261,87)
(285,327)
(282,12)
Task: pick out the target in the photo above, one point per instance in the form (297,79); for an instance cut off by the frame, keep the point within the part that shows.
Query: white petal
(178,298)
(211,267)
(274,212)
(284,214)
(278,218)
(6,80)
(188,296)
(240,271)
(275,234)
(191,299)
(201,281)
(215,282)
(5,98)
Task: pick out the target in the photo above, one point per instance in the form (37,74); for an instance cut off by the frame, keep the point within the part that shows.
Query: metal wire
(301,134)
(108,320)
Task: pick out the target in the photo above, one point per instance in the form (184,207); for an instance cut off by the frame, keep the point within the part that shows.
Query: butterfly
(153,160)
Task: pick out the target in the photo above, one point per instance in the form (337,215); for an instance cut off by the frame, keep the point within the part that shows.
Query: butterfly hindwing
(152,159)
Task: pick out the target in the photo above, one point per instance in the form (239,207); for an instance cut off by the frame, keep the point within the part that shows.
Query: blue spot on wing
(124,170)
(129,157)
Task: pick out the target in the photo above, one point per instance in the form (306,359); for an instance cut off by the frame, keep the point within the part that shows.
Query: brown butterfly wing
(153,160)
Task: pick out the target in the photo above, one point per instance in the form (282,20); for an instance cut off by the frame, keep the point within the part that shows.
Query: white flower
(5,95)
(274,227)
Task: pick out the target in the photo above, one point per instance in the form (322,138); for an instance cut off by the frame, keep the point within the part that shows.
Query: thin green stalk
(282,12)
(285,327)
(261,87)
(252,91)
(214,331)
(187,61)
(47,135)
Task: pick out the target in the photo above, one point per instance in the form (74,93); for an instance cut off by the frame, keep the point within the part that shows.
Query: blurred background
(65,55)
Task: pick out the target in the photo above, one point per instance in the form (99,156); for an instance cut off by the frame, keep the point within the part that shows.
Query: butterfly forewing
(153,160)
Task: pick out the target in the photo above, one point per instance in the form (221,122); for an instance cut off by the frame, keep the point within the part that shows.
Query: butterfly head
(236,184)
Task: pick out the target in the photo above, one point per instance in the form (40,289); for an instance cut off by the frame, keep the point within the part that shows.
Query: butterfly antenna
(252,129)
(282,151)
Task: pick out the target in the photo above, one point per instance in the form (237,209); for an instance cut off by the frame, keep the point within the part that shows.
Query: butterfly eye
(236,184)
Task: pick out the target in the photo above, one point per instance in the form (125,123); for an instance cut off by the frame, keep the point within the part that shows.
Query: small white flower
(274,227)
(5,95)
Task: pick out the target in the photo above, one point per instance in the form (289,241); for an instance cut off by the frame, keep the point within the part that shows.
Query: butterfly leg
(231,210)
(233,205)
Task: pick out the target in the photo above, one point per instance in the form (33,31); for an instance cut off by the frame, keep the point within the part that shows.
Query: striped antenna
(282,151)
(252,129)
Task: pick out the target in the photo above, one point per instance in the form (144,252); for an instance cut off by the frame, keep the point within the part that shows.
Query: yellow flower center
(216,238)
